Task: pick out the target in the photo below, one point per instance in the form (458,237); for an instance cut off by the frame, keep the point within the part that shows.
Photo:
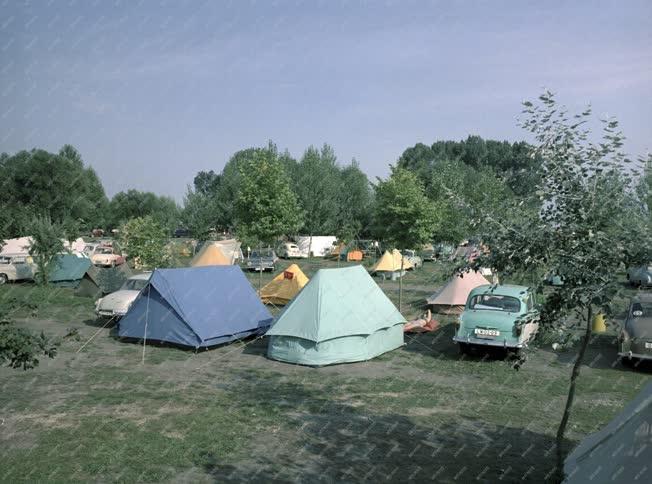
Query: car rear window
(495,302)
(645,308)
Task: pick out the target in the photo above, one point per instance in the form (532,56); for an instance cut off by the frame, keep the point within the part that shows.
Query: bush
(20,347)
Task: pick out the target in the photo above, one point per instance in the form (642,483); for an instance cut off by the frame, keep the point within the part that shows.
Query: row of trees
(38,183)
(327,198)
(331,198)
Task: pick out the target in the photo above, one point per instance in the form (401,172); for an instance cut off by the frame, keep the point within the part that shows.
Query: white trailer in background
(320,246)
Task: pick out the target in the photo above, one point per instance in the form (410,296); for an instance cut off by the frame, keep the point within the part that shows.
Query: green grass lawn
(229,414)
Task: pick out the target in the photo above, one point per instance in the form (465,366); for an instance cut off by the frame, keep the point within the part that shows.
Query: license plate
(486,333)
(648,345)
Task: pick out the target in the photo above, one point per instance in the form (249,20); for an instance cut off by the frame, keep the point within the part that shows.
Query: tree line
(323,196)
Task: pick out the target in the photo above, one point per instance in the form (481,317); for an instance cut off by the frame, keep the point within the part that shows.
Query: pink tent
(451,298)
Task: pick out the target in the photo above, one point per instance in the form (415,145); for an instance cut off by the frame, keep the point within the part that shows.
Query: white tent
(321,245)
(19,246)
(619,452)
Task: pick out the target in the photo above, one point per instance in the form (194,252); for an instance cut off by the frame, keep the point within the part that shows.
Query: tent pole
(146,320)
(400,286)
(260,267)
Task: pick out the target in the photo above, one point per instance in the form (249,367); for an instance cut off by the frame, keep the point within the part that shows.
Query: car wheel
(465,349)
(3,279)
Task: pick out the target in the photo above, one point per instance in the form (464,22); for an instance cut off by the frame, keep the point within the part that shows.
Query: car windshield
(104,250)
(134,284)
(644,308)
(256,254)
(495,302)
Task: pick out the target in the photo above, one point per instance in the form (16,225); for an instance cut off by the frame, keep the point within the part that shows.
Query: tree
(36,183)
(588,227)
(210,203)
(355,199)
(144,240)
(316,180)
(46,244)
(404,216)
(265,205)
(133,203)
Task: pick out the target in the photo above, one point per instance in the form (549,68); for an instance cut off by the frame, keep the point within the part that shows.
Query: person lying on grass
(422,325)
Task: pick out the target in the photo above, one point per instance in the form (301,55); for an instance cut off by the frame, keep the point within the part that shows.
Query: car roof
(503,290)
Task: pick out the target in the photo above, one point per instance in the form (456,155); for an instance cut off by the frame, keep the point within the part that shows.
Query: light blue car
(498,316)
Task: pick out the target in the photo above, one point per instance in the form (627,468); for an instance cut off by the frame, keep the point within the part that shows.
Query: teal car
(498,316)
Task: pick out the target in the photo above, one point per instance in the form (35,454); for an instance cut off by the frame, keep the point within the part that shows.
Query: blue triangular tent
(196,306)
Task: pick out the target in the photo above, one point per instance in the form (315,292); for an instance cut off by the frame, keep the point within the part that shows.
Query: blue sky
(151,92)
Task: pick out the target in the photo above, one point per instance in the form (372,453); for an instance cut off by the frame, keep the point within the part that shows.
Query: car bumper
(488,342)
(631,355)
(109,313)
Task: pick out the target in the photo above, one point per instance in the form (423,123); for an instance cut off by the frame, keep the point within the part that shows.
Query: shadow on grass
(602,353)
(324,439)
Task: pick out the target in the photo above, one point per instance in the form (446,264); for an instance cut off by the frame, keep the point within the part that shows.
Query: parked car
(181,232)
(118,303)
(499,316)
(429,255)
(264,260)
(413,258)
(640,276)
(16,268)
(89,249)
(107,256)
(635,341)
(289,250)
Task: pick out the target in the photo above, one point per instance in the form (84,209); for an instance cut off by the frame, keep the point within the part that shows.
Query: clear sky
(151,92)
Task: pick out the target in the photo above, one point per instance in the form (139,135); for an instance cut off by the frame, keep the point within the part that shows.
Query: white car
(16,268)
(289,250)
(107,256)
(118,303)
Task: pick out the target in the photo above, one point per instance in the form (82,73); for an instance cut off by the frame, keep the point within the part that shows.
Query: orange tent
(451,298)
(354,255)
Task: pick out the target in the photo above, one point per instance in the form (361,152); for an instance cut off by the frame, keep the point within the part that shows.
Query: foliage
(355,200)
(336,199)
(35,183)
(20,348)
(589,225)
(479,189)
(46,244)
(144,240)
(512,162)
(210,204)
(403,216)
(265,205)
(133,203)
(316,180)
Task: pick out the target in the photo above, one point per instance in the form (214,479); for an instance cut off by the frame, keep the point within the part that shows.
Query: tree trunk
(571,396)
(400,286)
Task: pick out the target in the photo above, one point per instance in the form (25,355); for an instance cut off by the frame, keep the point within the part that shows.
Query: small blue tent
(196,306)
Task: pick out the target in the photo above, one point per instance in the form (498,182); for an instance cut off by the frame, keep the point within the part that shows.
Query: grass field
(229,414)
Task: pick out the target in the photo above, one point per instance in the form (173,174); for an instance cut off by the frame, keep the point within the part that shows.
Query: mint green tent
(68,269)
(340,316)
